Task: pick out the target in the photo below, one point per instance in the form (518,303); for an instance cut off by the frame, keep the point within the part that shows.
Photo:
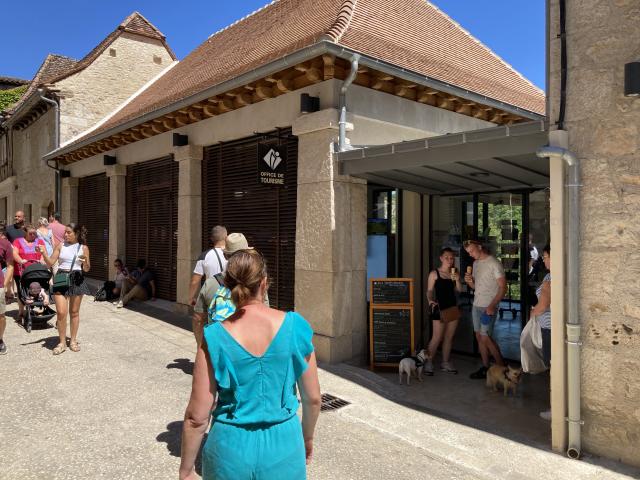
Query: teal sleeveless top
(259,390)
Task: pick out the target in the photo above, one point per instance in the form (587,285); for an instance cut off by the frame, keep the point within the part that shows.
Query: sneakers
(119,304)
(546,415)
(479,374)
(3,348)
(448,368)
(428,368)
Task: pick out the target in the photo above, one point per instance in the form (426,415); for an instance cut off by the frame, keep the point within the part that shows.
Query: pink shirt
(58,231)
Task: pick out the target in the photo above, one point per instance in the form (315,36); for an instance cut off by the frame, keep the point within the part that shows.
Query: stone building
(602,129)
(85,91)
(181,155)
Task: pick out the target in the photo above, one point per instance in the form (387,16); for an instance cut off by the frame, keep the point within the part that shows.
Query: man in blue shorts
(490,285)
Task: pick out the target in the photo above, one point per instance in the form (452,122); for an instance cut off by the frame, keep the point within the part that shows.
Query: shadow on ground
(173,437)
(49,343)
(183,364)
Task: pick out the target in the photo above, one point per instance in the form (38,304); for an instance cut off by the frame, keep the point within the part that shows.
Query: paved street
(114,411)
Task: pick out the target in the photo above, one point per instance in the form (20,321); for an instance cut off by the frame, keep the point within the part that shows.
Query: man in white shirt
(210,262)
(490,285)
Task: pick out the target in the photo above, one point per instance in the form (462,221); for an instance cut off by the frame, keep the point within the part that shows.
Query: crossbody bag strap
(73,262)
(218,257)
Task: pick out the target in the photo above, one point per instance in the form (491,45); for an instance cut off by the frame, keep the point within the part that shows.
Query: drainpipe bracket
(569,342)
(574,185)
(578,422)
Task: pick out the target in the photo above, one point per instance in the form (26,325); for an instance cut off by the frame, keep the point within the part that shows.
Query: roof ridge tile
(240,20)
(343,20)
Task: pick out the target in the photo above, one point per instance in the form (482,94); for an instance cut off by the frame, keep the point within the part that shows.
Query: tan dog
(508,377)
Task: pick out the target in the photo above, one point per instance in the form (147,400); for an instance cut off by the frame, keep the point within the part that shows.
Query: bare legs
(70,305)
(442,331)
(488,346)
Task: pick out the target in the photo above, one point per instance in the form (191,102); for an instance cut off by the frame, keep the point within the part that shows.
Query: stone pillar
(330,283)
(117,175)
(69,200)
(189,216)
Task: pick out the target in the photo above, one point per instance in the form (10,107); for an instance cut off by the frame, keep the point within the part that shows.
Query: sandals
(59,349)
(74,346)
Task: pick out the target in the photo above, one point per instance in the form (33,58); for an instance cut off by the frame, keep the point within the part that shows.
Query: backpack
(101,295)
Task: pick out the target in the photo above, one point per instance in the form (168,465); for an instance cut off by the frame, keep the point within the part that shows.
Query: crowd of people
(63,250)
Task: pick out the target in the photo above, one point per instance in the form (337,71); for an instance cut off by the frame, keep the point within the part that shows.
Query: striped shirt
(544,319)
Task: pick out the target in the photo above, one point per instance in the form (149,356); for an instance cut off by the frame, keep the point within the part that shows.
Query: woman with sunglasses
(25,252)
(73,257)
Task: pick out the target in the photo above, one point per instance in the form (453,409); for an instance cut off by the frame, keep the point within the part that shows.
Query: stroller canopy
(36,272)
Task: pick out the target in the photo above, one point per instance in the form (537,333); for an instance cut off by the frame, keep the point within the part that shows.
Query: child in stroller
(34,294)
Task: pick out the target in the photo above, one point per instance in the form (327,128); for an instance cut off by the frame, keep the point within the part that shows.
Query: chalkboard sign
(392,291)
(391,334)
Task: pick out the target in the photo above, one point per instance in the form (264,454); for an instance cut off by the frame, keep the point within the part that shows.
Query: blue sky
(514,29)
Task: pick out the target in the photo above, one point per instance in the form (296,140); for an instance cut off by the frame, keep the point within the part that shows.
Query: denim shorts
(476,313)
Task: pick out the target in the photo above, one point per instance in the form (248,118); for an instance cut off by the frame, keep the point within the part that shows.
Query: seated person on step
(139,285)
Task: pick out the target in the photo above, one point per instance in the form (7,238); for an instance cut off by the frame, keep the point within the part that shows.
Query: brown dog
(508,377)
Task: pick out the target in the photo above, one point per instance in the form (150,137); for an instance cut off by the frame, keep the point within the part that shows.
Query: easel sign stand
(391,321)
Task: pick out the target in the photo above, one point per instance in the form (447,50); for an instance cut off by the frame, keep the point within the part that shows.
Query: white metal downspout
(56,139)
(343,103)
(573,314)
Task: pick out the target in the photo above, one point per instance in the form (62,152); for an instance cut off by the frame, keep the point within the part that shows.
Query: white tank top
(67,252)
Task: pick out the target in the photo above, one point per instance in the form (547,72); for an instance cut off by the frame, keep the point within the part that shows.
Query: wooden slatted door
(152,220)
(93,213)
(265,214)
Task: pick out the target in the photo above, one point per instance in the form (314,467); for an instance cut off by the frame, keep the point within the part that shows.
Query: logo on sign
(272,158)
(272,162)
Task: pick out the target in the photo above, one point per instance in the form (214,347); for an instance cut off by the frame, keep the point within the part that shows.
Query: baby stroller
(36,311)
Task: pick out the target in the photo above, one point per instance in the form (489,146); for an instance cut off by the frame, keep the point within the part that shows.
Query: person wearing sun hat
(214,294)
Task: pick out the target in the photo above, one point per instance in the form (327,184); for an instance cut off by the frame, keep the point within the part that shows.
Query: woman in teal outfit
(252,362)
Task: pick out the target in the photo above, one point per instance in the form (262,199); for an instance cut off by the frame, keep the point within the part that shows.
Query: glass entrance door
(500,228)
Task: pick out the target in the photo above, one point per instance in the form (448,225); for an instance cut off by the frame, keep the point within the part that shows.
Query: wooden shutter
(266,215)
(152,220)
(93,213)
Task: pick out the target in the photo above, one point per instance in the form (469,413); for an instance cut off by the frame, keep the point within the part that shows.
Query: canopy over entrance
(492,159)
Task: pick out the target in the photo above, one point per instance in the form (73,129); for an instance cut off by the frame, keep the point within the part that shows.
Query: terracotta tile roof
(412,34)
(53,66)
(416,35)
(13,81)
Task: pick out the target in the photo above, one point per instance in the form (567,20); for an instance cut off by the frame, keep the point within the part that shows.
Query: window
(112,52)
(157,59)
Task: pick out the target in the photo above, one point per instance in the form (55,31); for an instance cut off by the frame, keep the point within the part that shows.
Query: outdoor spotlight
(308,103)
(632,79)
(109,160)
(180,140)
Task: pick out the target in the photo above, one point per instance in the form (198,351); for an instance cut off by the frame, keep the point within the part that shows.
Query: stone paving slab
(114,411)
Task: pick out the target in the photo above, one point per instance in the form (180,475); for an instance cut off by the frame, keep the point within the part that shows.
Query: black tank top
(445,292)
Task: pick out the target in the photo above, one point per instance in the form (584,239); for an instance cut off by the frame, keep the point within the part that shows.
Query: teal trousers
(274,452)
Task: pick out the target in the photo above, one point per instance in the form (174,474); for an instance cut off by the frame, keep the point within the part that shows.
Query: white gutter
(573,313)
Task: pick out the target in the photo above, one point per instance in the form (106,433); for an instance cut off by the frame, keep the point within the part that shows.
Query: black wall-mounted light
(109,160)
(65,174)
(632,79)
(180,140)
(308,103)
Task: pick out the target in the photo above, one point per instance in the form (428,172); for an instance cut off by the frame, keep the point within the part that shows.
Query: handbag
(450,314)
(530,355)
(62,280)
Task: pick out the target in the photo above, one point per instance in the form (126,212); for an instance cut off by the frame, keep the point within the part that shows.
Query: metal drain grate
(329,402)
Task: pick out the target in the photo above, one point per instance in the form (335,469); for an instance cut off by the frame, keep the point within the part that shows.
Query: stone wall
(35,182)
(604,128)
(125,66)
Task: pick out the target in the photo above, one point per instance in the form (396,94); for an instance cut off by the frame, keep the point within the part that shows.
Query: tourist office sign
(272,160)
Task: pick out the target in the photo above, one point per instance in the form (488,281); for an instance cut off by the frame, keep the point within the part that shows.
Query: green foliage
(11,96)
